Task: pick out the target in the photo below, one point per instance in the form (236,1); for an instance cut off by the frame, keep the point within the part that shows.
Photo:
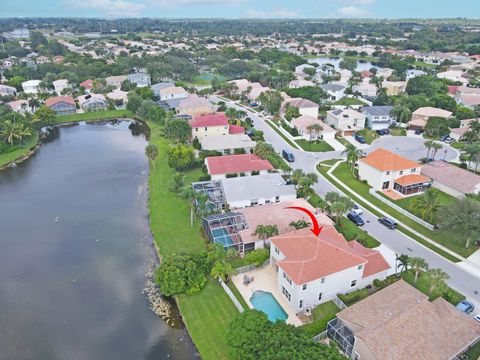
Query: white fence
(247,268)
(339,303)
(231,296)
(320,336)
(401,210)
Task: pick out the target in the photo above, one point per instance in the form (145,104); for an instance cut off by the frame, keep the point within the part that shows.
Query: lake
(75,247)
(361,66)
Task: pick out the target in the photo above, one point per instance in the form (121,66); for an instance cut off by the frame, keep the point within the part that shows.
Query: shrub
(257,257)
(353,297)
(231,175)
(180,157)
(255,172)
(381,284)
(205,178)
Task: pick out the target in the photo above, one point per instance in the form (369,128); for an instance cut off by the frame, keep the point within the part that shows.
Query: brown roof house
(421,116)
(400,323)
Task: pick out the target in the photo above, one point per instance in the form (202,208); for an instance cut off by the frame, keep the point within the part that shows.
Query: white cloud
(174,3)
(278,13)
(353,11)
(110,7)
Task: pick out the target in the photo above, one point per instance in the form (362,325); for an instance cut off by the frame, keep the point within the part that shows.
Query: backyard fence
(401,210)
(247,268)
(231,296)
(320,336)
(340,304)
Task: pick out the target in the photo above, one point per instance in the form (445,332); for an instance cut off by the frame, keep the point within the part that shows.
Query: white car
(357,210)
(477,317)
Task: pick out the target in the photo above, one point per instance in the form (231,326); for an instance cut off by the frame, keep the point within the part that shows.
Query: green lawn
(322,314)
(350,231)
(458,145)
(398,132)
(93,116)
(282,135)
(474,352)
(237,294)
(8,157)
(208,313)
(342,140)
(407,204)
(315,146)
(369,135)
(344,175)
(349,102)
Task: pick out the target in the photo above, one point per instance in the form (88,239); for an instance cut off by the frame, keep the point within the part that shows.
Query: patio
(265,279)
(392,194)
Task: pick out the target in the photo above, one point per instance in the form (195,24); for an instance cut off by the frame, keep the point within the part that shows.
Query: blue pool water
(221,236)
(266,303)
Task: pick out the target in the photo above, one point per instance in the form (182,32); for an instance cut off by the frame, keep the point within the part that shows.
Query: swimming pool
(222,236)
(266,303)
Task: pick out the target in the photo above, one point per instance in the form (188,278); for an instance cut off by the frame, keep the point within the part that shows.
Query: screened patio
(223,229)
(214,190)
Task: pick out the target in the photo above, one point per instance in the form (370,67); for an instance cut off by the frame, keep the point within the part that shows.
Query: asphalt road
(460,279)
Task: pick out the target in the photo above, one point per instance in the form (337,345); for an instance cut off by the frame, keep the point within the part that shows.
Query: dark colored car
(418,132)
(383,132)
(360,139)
(288,156)
(356,219)
(389,223)
(465,306)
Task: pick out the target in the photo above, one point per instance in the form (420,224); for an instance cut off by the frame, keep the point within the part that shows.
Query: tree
(437,279)
(177,183)
(312,93)
(437,127)
(300,224)
(305,183)
(428,144)
(291,112)
(427,85)
(427,204)
(349,64)
(180,157)
(178,130)
(134,102)
(183,273)
(223,270)
(190,195)
(145,92)
(271,100)
(252,336)
(44,114)
(461,218)
(266,231)
(296,175)
(402,113)
(445,102)
(16,82)
(464,112)
(314,128)
(152,152)
(418,263)
(436,146)
(403,259)
(14,132)
(263,150)
(352,155)
(337,205)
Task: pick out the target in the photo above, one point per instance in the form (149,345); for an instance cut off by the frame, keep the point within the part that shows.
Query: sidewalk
(338,146)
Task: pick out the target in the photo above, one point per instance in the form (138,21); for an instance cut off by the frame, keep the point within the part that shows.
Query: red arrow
(316,229)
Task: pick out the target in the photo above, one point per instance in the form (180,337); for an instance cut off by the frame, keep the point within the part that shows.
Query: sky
(242,8)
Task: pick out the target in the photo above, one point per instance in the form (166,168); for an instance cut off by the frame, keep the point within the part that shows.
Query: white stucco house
(172,92)
(303,125)
(60,85)
(312,270)
(378,117)
(335,91)
(221,167)
(347,121)
(305,107)
(31,86)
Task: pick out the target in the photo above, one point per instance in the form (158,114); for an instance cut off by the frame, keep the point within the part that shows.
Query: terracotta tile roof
(429,111)
(452,176)
(309,257)
(57,99)
(236,129)
(411,179)
(87,84)
(436,330)
(231,164)
(385,160)
(218,119)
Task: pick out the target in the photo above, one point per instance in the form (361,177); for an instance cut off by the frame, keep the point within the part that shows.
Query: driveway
(412,148)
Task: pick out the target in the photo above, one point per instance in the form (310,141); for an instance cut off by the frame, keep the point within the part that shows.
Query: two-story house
(335,91)
(31,86)
(314,269)
(385,170)
(62,105)
(139,79)
(93,102)
(347,121)
(378,117)
(209,125)
(60,85)
(172,92)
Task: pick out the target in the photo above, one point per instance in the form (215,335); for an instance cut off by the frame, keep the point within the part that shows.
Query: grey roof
(162,85)
(137,76)
(222,142)
(377,110)
(332,87)
(170,104)
(255,187)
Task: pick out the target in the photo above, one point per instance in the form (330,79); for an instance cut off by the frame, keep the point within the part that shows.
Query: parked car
(383,132)
(356,219)
(288,156)
(418,132)
(356,210)
(253,104)
(447,139)
(389,223)
(465,306)
(360,139)
(477,317)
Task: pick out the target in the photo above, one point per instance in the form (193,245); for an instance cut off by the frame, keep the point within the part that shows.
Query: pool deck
(265,279)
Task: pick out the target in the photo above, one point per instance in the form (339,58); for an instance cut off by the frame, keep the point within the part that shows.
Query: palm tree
(260,231)
(270,231)
(418,264)
(190,195)
(428,144)
(222,270)
(177,183)
(33,103)
(352,155)
(304,186)
(338,208)
(462,218)
(437,279)
(402,113)
(436,146)
(13,133)
(297,174)
(427,204)
(313,128)
(152,152)
(201,202)
(263,150)
(403,259)
(300,224)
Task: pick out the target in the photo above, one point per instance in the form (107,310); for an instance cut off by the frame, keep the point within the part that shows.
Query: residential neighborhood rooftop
(454,177)
(231,164)
(218,119)
(58,99)
(385,160)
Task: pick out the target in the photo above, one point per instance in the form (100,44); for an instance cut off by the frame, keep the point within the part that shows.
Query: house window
(360,267)
(287,278)
(253,202)
(286,293)
(277,198)
(206,128)
(267,201)
(401,172)
(414,170)
(304,287)
(196,129)
(277,251)
(300,305)
(320,296)
(353,283)
(322,281)
(388,172)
